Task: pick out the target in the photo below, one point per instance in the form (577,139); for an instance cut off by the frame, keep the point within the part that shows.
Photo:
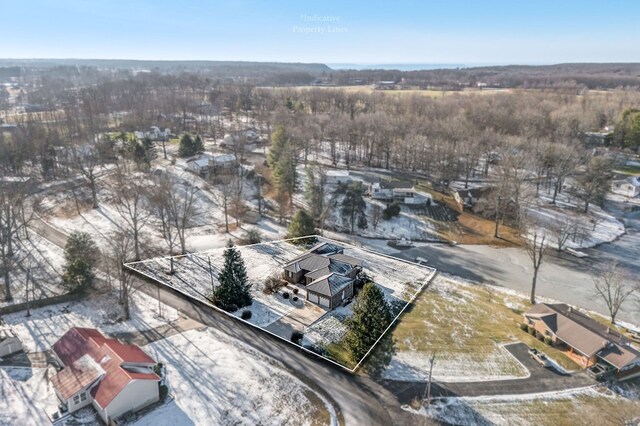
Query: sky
(328,31)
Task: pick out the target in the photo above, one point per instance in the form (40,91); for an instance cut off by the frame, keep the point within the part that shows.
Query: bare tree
(182,206)
(130,202)
(562,231)
(86,160)
(13,223)
(122,251)
(159,199)
(376,215)
(612,286)
(536,248)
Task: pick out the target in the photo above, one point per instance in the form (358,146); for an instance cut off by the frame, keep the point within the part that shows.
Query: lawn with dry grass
(468,323)
(591,406)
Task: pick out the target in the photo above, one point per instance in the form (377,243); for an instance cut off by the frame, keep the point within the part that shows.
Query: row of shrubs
(532,331)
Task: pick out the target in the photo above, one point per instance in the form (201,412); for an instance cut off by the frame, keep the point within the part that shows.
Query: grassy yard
(628,170)
(467,321)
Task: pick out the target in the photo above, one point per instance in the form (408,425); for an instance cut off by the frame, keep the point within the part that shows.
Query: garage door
(312,297)
(324,301)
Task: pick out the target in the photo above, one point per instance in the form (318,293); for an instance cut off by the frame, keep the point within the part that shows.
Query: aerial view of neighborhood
(319,213)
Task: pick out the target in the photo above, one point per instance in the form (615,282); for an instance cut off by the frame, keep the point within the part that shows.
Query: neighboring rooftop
(584,333)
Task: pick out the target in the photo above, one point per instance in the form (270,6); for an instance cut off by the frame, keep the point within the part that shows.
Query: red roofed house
(114,377)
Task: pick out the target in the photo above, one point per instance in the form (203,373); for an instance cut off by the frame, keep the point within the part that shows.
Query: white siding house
(627,187)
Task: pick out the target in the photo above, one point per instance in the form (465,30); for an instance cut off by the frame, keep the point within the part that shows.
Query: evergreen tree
(189,146)
(234,291)
(81,256)
(301,225)
(314,193)
(198,145)
(283,159)
(371,317)
(354,207)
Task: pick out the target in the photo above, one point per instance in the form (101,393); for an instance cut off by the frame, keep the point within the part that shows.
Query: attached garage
(330,291)
(324,301)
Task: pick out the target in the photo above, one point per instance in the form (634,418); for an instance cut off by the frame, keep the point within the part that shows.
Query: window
(76,399)
(83,396)
(547,333)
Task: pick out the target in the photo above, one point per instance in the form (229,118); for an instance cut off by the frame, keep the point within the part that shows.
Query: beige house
(113,377)
(593,343)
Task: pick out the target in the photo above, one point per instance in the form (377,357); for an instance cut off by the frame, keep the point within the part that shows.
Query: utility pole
(432,361)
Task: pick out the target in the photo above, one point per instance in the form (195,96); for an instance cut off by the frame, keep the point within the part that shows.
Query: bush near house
(391,211)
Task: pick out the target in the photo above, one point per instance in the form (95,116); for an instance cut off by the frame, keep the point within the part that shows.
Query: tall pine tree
(234,291)
(371,317)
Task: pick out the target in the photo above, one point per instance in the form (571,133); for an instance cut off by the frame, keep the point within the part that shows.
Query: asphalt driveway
(540,380)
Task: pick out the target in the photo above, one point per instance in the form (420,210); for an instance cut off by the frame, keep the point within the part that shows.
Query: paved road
(540,380)
(561,277)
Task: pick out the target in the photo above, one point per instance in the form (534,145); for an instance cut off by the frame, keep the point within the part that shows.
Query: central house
(326,273)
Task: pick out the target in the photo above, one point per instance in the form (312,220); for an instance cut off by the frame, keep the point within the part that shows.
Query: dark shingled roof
(329,285)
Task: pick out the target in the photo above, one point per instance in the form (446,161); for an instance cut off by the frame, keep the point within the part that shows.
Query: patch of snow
(217,379)
(46,325)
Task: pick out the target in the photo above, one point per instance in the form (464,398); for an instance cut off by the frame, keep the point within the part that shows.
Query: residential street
(563,278)
(540,380)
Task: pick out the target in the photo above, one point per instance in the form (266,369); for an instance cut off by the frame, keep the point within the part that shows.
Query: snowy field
(400,281)
(26,396)
(219,380)
(62,212)
(591,229)
(46,325)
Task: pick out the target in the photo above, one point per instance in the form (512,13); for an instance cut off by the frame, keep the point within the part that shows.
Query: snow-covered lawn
(219,380)
(466,326)
(591,229)
(26,396)
(400,281)
(46,325)
(593,405)
(44,261)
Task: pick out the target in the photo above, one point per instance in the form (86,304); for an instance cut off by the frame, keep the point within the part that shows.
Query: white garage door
(312,297)
(324,301)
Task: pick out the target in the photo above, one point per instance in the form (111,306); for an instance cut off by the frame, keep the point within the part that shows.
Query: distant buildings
(207,164)
(629,187)
(247,139)
(335,177)
(400,191)
(154,133)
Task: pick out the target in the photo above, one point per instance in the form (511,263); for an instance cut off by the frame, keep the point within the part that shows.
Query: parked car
(539,357)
